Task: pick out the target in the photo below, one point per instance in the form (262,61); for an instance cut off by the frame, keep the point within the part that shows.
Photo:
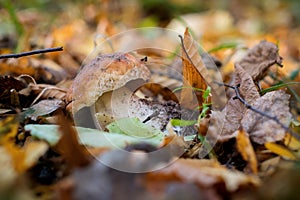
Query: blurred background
(223,28)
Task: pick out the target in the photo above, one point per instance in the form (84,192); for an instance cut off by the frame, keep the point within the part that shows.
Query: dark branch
(38,51)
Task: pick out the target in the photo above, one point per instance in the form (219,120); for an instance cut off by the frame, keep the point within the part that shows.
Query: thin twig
(248,106)
(38,51)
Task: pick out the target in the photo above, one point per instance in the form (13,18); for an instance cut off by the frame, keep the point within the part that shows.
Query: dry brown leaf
(103,74)
(262,129)
(205,173)
(234,110)
(259,58)
(68,145)
(44,107)
(245,148)
(193,71)
(45,91)
(247,87)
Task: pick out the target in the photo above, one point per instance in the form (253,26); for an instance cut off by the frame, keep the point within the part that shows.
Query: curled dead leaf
(259,58)
(234,110)
(262,129)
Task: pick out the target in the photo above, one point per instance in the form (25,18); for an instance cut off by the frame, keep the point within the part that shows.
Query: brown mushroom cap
(105,73)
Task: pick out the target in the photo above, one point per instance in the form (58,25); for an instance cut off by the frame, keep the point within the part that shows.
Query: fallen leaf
(291,142)
(233,112)
(193,71)
(262,129)
(7,166)
(247,87)
(27,156)
(268,167)
(43,107)
(68,145)
(245,148)
(205,173)
(259,58)
(46,91)
(87,136)
(134,127)
(280,150)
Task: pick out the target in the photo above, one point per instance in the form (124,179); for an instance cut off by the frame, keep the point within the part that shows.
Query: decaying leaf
(105,73)
(234,110)
(247,87)
(205,173)
(193,71)
(262,129)
(45,91)
(245,148)
(68,145)
(44,107)
(259,58)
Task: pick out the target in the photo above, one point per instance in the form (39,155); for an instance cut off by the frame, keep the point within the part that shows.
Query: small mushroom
(105,73)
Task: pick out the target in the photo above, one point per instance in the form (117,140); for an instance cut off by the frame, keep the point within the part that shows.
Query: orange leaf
(193,71)
(245,148)
(68,145)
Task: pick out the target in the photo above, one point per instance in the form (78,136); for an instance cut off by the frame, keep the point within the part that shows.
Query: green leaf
(276,87)
(134,127)
(206,93)
(181,122)
(87,136)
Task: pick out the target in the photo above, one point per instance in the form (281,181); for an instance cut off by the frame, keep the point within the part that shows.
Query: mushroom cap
(106,72)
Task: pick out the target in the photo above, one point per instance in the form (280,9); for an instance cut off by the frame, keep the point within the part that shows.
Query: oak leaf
(262,129)
(259,58)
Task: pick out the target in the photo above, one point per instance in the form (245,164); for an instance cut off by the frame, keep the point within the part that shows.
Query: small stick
(38,51)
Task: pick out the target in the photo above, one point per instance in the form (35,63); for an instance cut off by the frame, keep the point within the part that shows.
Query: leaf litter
(250,146)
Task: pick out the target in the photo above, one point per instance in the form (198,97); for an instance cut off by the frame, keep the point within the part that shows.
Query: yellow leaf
(245,148)
(291,142)
(25,157)
(280,150)
(8,129)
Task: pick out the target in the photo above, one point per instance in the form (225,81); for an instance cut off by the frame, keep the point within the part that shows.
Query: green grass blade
(276,87)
